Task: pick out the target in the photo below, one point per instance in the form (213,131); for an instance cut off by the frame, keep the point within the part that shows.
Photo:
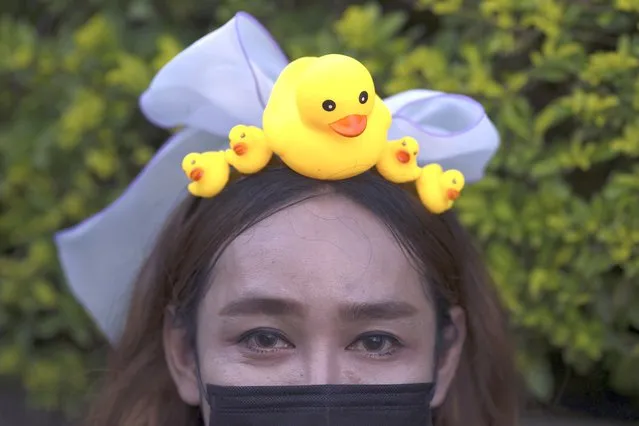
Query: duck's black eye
(329,105)
(363,97)
(454,181)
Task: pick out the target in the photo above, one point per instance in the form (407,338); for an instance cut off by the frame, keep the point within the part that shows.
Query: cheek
(245,375)
(407,369)
(227,367)
(352,377)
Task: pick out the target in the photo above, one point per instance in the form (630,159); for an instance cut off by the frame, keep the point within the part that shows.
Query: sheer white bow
(219,81)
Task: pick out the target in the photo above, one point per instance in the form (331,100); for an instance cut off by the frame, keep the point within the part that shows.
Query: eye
(454,181)
(363,97)
(415,153)
(403,143)
(376,345)
(329,105)
(265,341)
(192,162)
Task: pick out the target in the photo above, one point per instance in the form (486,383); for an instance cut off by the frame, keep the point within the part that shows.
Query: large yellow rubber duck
(324,118)
(208,171)
(249,152)
(438,189)
(398,162)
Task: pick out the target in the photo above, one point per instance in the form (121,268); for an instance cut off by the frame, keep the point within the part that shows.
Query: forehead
(326,250)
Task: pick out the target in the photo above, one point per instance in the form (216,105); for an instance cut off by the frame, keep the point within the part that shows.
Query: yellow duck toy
(249,152)
(208,171)
(438,189)
(398,162)
(324,119)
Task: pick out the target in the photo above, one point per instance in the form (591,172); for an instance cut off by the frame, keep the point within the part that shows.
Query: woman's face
(319,293)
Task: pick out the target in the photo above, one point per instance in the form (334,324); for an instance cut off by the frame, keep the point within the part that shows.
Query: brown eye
(454,181)
(403,143)
(374,343)
(329,105)
(415,153)
(267,340)
(192,162)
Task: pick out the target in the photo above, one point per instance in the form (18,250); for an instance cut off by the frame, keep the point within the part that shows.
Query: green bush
(558,215)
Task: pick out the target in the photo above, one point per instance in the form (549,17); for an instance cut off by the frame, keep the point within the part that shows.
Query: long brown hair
(138,389)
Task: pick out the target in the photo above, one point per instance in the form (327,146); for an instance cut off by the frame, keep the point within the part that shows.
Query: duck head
(452,181)
(191,167)
(408,150)
(336,94)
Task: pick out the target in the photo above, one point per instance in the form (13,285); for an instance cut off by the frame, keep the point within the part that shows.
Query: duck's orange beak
(453,194)
(402,156)
(350,126)
(240,148)
(196,174)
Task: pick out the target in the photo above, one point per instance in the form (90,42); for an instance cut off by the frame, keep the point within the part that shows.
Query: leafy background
(558,215)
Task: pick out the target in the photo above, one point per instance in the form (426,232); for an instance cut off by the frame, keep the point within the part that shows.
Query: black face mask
(321,405)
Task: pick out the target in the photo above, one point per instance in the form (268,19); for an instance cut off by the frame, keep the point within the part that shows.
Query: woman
(287,300)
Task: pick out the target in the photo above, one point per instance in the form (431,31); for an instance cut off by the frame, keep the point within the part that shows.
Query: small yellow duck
(249,152)
(208,171)
(398,162)
(438,189)
(324,118)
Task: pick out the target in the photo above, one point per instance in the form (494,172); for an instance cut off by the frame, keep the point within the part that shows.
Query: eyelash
(248,340)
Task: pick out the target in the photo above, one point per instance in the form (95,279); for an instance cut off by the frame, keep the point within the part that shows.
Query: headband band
(222,80)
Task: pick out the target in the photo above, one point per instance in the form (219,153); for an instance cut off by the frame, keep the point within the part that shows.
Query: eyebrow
(356,312)
(269,306)
(384,310)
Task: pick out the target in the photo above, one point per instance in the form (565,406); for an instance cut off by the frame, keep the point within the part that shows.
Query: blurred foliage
(558,215)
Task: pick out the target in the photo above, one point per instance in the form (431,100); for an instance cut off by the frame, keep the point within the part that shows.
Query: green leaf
(44,294)
(625,374)
(10,358)
(539,378)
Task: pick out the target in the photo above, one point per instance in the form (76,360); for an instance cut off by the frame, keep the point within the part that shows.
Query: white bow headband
(222,80)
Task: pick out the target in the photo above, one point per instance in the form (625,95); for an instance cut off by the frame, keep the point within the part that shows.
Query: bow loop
(452,130)
(225,77)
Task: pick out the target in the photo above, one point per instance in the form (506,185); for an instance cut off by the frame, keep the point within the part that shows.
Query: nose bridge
(322,364)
